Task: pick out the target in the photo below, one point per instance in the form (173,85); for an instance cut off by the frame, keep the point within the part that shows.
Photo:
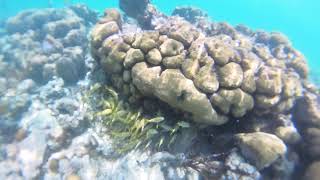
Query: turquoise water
(298,19)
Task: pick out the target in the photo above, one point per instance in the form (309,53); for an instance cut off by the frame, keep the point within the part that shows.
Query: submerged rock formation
(141,10)
(260,148)
(46,43)
(214,74)
(191,14)
(307,118)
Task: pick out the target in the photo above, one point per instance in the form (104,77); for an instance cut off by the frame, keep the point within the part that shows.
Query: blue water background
(298,19)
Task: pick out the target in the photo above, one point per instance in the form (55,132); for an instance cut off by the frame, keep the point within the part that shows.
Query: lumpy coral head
(215,74)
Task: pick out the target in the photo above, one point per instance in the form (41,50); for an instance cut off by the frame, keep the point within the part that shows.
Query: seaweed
(128,127)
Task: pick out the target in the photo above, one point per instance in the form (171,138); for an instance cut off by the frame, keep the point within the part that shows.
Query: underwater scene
(159,90)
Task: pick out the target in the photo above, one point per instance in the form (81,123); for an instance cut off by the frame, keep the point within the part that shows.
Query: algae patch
(128,126)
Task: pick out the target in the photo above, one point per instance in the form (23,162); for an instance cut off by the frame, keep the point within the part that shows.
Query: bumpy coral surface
(46,43)
(214,72)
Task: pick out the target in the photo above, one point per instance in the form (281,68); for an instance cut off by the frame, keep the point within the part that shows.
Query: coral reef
(217,75)
(307,118)
(141,10)
(191,14)
(214,74)
(158,97)
(312,172)
(261,148)
(46,43)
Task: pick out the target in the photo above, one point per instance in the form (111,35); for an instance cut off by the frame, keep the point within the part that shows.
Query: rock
(21,134)
(262,51)
(10,170)
(197,49)
(235,101)
(183,35)
(12,107)
(49,71)
(53,90)
(266,102)
(3,85)
(249,83)
(102,31)
(238,167)
(225,28)
(173,62)
(26,86)
(35,67)
(244,43)
(133,56)
(146,41)
(300,65)
(251,62)
(185,96)
(128,38)
(11,151)
(141,10)
(118,52)
(312,142)
(292,86)
(171,48)
(52,45)
(110,15)
(73,177)
(221,52)
(83,11)
(286,167)
(44,36)
(147,44)
(71,70)
(66,106)
(53,165)
(277,63)
(31,158)
(289,134)
(206,79)
(269,81)
(144,78)
(126,76)
(284,105)
(112,65)
(191,14)
(307,111)
(190,68)
(313,171)
(230,75)
(260,148)
(75,37)
(154,57)
(133,8)
(277,38)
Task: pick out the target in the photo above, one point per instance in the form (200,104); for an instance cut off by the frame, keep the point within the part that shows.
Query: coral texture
(261,149)
(46,43)
(215,73)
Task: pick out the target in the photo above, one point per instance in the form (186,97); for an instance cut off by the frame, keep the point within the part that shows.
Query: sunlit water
(298,19)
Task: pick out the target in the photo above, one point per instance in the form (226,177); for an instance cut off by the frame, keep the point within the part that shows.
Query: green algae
(128,126)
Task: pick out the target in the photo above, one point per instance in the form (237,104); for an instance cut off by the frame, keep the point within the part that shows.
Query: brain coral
(213,71)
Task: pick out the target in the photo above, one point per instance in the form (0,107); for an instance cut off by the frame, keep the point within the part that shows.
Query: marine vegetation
(128,127)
